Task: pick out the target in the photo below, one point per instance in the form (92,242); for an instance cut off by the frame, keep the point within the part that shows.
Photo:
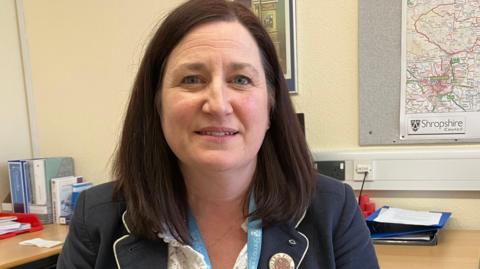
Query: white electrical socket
(363,168)
(360,167)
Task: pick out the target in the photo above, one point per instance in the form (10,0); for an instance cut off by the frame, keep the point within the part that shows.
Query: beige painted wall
(14,128)
(84,55)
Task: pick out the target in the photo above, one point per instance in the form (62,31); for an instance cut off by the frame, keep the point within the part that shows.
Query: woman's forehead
(221,37)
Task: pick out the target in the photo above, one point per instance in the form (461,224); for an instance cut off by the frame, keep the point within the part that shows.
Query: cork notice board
(379,57)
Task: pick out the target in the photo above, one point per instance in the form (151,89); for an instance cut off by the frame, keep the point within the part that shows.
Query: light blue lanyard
(254,244)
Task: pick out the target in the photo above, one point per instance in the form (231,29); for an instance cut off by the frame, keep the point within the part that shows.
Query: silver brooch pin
(281,261)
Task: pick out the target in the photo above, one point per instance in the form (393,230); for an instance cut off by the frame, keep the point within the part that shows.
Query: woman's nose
(217,101)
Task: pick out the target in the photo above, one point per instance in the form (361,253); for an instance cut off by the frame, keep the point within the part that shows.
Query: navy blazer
(332,234)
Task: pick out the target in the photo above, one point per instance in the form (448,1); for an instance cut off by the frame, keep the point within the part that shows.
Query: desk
(13,254)
(455,250)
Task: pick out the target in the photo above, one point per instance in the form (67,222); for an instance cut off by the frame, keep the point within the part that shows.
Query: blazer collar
(134,252)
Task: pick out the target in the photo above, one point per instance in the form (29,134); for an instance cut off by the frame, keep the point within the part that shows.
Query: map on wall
(440,96)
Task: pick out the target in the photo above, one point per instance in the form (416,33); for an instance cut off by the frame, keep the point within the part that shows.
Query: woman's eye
(191,80)
(241,80)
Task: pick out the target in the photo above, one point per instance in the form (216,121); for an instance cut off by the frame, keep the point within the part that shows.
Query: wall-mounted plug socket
(363,168)
(360,167)
(335,169)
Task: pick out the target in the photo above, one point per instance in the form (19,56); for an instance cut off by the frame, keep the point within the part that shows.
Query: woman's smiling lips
(217,132)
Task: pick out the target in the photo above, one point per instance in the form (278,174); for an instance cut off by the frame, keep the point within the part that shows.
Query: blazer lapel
(285,239)
(133,252)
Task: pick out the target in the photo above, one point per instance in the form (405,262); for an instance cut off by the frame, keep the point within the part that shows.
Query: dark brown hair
(146,170)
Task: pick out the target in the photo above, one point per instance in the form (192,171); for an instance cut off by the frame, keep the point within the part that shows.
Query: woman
(212,169)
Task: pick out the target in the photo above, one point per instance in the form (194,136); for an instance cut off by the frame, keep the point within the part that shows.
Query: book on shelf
(37,170)
(62,196)
(30,184)
(77,188)
(19,185)
(49,168)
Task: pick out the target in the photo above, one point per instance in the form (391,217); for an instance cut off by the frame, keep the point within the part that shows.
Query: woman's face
(214,99)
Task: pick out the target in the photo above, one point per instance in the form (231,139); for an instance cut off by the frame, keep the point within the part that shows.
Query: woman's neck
(213,193)
(217,200)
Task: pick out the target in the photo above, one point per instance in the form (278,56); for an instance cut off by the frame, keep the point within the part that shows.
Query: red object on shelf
(366,206)
(370,207)
(364,199)
(35,223)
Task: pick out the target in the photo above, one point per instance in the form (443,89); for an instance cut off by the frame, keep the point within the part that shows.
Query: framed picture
(278,18)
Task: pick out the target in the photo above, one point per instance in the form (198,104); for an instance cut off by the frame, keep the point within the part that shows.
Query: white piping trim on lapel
(306,249)
(301,218)
(115,248)
(120,239)
(124,222)
(308,242)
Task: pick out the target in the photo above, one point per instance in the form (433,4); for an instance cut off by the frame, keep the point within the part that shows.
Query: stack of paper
(390,225)
(8,225)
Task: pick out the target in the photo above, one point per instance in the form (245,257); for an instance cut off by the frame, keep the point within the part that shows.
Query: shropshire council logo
(415,124)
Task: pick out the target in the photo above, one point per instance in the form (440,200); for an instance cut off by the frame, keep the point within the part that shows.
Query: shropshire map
(442,63)
(443,56)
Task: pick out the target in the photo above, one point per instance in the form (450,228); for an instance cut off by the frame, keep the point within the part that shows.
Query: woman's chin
(222,163)
(219,164)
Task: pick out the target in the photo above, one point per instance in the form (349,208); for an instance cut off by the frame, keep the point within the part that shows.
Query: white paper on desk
(42,243)
(411,217)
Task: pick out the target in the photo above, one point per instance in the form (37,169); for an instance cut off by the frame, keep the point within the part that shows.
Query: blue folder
(381,230)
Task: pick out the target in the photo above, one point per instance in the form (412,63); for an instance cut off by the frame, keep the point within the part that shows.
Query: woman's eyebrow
(202,67)
(190,67)
(242,66)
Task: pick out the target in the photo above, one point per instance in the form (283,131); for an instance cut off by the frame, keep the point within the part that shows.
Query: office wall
(84,56)
(328,76)
(14,127)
